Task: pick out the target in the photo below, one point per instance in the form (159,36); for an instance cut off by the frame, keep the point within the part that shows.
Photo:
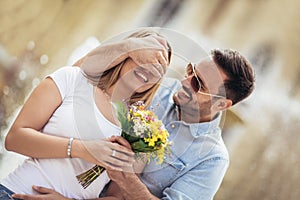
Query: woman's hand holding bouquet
(142,130)
(101,153)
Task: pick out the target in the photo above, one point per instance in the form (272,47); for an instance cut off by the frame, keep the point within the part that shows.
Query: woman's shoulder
(66,73)
(66,78)
(69,70)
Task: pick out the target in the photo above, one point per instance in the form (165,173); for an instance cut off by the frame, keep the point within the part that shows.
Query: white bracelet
(69,147)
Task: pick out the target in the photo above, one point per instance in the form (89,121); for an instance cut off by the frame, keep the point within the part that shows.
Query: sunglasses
(196,82)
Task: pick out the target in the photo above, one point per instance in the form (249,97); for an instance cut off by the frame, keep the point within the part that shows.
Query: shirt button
(172,126)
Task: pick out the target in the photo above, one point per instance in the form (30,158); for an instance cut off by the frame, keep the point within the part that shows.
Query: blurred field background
(262,134)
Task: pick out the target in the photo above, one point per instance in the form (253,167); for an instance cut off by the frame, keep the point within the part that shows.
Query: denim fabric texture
(5,194)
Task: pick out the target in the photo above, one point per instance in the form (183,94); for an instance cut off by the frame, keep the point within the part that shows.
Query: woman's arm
(24,136)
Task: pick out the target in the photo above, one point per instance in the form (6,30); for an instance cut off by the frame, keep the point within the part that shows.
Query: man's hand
(44,194)
(49,194)
(150,52)
(126,182)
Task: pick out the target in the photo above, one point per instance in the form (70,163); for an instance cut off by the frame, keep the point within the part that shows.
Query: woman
(65,106)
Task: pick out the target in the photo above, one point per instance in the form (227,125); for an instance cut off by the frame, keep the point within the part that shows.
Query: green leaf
(141,146)
(129,138)
(122,116)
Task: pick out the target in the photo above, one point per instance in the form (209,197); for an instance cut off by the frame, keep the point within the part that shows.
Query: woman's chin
(143,88)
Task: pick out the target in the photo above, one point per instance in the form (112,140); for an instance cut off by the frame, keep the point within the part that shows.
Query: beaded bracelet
(69,147)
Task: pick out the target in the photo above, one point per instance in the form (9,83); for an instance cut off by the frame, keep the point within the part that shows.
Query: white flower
(139,127)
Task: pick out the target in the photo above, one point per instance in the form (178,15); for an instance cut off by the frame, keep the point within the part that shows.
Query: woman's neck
(118,94)
(103,102)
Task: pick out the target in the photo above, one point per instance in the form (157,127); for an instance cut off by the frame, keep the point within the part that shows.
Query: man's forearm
(104,57)
(141,50)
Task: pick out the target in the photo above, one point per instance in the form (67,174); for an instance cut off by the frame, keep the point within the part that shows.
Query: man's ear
(222,104)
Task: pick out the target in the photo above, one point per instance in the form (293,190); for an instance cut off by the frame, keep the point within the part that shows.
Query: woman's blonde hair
(110,77)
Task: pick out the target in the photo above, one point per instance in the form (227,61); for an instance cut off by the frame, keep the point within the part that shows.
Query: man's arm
(127,184)
(202,182)
(150,49)
(49,194)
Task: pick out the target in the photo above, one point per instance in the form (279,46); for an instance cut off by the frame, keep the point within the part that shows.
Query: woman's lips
(141,75)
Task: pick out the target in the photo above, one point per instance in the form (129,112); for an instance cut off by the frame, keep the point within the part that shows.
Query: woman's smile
(141,75)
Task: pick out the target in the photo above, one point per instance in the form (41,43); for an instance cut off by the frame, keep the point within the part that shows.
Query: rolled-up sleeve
(199,183)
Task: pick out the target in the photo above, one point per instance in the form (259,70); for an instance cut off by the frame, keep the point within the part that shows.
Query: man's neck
(188,118)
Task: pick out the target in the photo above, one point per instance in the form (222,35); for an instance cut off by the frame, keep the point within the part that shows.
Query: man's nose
(186,81)
(187,78)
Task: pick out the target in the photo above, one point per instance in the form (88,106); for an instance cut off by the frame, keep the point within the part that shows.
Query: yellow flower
(160,155)
(151,140)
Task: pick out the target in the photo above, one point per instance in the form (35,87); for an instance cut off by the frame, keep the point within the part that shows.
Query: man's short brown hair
(240,82)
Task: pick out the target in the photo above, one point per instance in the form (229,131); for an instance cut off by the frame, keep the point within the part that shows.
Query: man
(199,156)
(191,112)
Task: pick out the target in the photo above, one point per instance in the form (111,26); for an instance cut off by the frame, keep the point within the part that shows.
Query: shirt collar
(197,129)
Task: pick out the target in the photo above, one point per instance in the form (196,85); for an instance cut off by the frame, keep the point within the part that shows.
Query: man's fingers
(164,60)
(39,189)
(23,196)
(160,69)
(42,190)
(162,41)
(17,196)
(165,50)
(156,70)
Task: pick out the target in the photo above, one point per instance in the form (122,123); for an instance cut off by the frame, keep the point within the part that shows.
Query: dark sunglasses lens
(195,84)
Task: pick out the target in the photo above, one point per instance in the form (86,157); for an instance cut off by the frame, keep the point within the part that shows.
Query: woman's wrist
(77,149)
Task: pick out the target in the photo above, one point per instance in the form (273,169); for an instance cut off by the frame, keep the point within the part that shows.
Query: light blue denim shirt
(198,160)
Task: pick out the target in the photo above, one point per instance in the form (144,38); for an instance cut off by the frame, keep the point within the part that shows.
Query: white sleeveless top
(77,117)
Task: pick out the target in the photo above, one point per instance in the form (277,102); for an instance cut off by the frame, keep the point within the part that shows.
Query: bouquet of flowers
(143,130)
